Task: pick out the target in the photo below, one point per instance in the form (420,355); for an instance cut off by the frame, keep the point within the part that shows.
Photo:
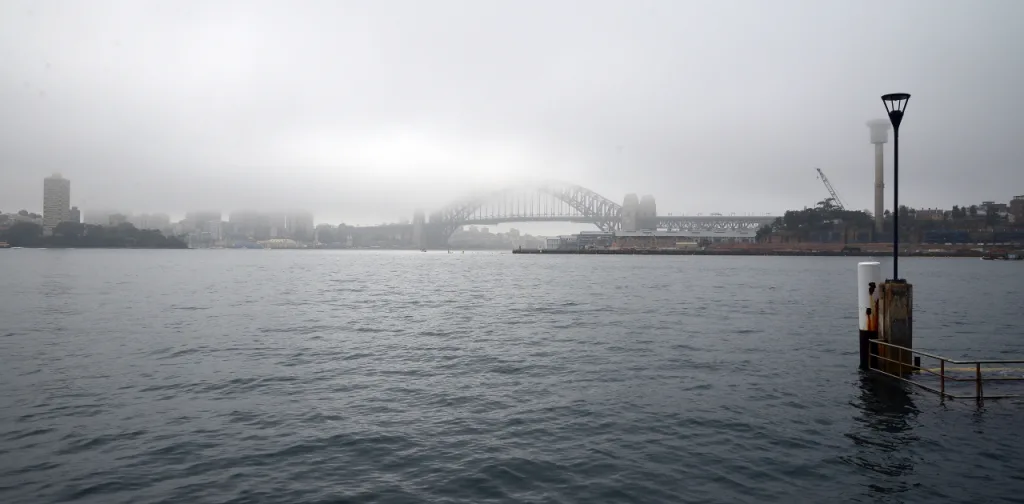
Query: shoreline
(658,252)
(91,248)
(740,252)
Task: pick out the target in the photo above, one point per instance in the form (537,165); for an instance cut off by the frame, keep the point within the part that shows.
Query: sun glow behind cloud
(411,156)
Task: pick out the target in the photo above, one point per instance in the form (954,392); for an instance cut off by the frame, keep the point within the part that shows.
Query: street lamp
(895,105)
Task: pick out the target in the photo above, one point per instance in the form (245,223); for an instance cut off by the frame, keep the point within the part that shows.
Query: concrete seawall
(754,252)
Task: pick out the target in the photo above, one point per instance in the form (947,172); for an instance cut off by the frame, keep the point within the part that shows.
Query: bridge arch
(547,202)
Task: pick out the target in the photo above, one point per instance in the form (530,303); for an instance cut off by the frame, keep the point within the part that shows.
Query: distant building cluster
(208,229)
(205,228)
(473,237)
(988,221)
(56,207)
(987,212)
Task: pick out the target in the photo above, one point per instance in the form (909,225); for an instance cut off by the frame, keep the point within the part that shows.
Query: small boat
(994,257)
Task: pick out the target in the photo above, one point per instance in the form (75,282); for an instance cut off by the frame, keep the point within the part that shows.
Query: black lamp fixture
(895,105)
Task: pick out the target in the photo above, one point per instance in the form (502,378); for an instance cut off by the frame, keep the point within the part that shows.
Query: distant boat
(423,250)
(1000,257)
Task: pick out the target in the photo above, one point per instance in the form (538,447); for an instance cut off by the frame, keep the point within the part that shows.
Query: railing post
(942,378)
(977,379)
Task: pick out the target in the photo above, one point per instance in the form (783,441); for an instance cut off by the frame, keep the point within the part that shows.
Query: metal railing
(902,368)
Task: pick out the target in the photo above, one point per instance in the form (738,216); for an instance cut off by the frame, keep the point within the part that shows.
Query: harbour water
(306,376)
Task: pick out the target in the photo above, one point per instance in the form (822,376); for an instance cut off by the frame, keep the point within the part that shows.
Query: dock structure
(885,315)
(824,251)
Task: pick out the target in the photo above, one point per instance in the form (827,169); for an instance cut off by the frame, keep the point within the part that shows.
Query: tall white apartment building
(56,200)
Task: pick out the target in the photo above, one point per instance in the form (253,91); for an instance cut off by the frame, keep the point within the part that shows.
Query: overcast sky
(361,111)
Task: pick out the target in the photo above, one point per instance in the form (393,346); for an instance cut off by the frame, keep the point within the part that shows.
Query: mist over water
(252,376)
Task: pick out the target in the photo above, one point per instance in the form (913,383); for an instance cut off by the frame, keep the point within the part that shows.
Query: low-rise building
(650,239)
(930,214)
(280,243)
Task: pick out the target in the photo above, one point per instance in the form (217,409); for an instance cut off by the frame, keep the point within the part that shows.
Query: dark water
(251,376)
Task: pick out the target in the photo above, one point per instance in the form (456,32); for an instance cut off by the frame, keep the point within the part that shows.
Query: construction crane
(835,197)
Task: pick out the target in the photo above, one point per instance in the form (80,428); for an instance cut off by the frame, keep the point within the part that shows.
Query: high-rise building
(215,228)
(75,215)
(98,216)
(202,219)
(300,225)
(158,221)
(56,200)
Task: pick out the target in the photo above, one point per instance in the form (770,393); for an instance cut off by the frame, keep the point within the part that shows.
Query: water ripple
(300,377)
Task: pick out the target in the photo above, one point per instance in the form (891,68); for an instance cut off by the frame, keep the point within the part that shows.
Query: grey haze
(364,110)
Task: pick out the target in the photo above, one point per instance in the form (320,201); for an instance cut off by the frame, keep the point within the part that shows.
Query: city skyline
(637,217)
(202,220)
(100,213)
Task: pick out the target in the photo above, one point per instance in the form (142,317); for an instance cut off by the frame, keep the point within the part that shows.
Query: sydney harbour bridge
(560,202)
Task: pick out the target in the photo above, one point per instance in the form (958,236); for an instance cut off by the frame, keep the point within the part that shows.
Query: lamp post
(895,105)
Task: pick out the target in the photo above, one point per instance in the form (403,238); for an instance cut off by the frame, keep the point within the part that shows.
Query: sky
(363,111)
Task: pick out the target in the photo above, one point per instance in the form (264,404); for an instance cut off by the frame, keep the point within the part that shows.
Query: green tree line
(75,235)
(825,216)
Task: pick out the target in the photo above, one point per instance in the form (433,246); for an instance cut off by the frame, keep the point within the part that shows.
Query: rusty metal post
(897,321)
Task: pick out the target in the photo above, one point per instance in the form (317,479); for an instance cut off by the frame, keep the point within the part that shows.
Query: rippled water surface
(293,377)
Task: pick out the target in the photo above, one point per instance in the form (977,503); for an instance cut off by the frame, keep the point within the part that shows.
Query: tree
(70,234)
(69,229)
(974,210)
(22,234)
(763,233)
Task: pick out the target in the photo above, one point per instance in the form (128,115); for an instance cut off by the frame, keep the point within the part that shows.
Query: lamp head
(895,105)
